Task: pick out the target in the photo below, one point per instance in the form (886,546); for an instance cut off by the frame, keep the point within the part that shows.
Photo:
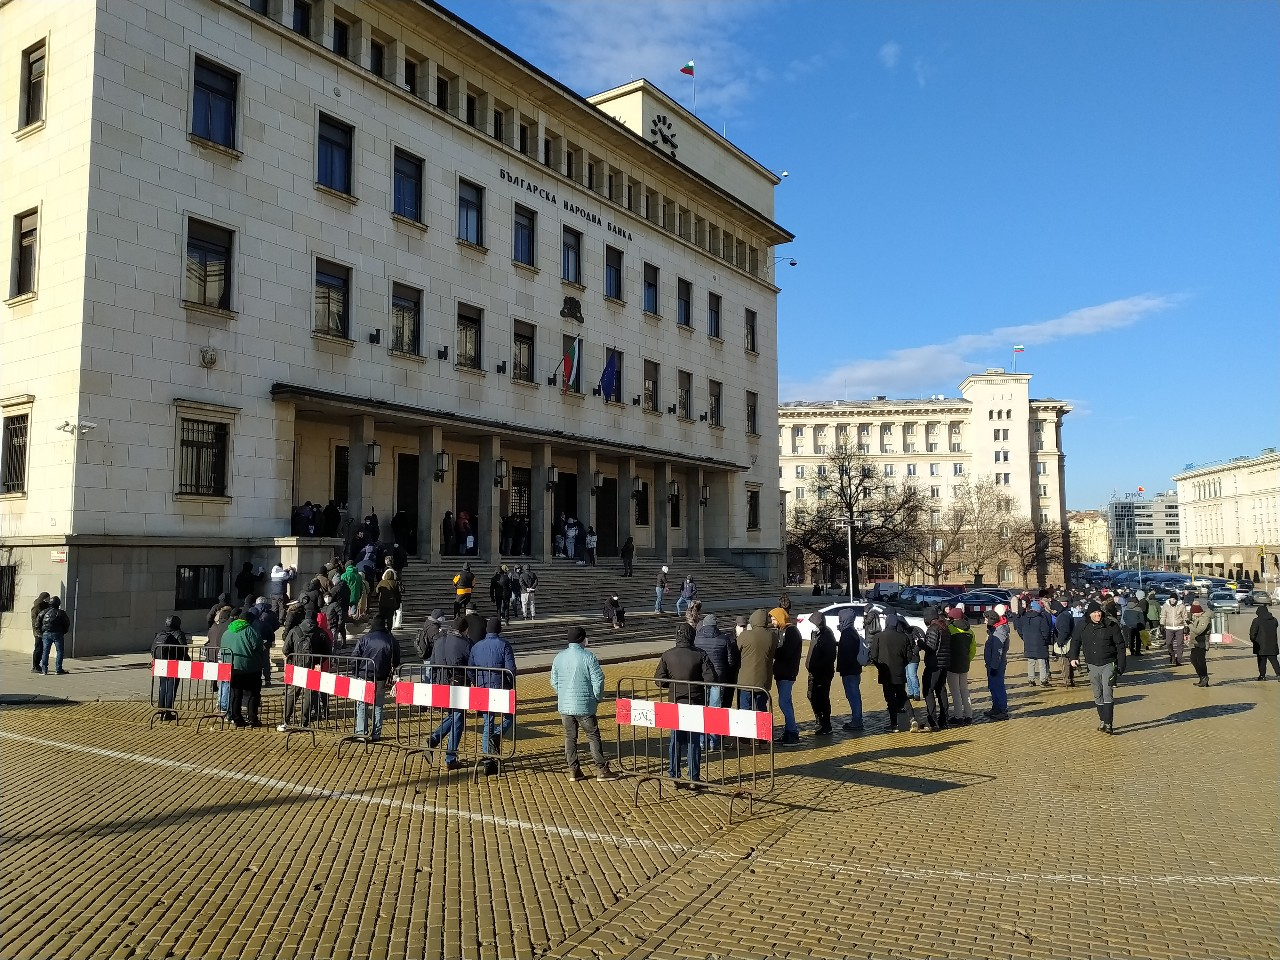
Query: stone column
(395,63)
(661,511)
(694,512)
(586,496)
(430,442)
(360,431)
(488,515)
(626,506)
(540,520)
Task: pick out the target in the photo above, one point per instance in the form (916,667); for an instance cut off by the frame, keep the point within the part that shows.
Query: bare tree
(848,488)
(1035,547)
(939,538)
(988,524)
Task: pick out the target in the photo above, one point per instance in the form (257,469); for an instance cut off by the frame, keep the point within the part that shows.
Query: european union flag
(609,379)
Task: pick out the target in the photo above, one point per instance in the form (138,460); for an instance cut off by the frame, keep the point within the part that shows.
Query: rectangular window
(799,493)
(547,151)
(642,505)
(522,236)
(799,471)
(25,229)
(523,142)
(213,106)
(749,331)
(957,469)
(684,400)
(568,164)
(406,319)
(408,186)
(955,448)
(613,272)
(302,17)
(33,85)
(911,469)
(714,389)
(470,325)
(1041,468)
(470,213)
(571,256)
(652,373)
(333,158)
(333,284)
(442,92)
(472,113)
(8,587)
(616,395)
(15,453)
(198,587)
(1044,489)
(207,279)
(411,77)
(753,509)
(684,298)
(341,39)
(935,493)
(888,469)
(523,339)
(650,288)
(753,402)
(713,315)
(377,58)
(202,458)
(499,126)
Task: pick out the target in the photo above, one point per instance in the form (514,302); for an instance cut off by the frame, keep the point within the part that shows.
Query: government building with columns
(271,252)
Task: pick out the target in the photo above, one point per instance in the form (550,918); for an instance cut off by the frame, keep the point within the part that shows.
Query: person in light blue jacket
(578,681)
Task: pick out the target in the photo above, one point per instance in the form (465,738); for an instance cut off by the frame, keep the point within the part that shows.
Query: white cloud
(890,54)
(916,371)
(922,71)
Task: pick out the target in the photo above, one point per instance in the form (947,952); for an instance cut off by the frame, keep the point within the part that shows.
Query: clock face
(662,133)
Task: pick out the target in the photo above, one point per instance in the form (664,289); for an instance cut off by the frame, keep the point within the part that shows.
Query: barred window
(332,288)
(753,401)
(753,509)
(198,587)
(469,326)
(202,459)
(8,587)
(15,453)
(522,352)
(406,319)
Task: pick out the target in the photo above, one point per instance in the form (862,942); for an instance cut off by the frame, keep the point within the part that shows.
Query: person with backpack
(963,647)
(892,647)
(851,657)
(54,624)
(463,582)
(1064,623)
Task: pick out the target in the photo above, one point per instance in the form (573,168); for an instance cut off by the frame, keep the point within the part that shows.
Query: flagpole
(1015,361)
(695,94)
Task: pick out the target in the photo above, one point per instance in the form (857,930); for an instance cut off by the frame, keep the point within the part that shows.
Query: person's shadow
(1185,716)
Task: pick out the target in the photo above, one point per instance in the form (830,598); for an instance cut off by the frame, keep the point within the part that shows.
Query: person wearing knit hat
(495,668)
(995,655)
(578,681)
(1198,629)
(1098,642)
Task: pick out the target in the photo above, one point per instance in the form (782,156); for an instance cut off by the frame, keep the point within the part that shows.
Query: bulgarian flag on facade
(687,69)
(572,359)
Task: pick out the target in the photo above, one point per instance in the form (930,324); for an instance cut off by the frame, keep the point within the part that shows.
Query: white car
(832,613)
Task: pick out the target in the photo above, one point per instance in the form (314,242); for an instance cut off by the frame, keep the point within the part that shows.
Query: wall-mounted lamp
(671,409)
(442,353)
(551,380)
(706,495)
(702,417)
(376,336)
(373,458)
(790,261)
(442,466)
(553,477)
(500,470)
(501,368)
(596,391)
(635,401)
(673,492)
(637,488)
(572,309)
(597,481)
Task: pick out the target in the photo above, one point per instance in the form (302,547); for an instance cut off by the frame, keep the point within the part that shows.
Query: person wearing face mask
(1099,644)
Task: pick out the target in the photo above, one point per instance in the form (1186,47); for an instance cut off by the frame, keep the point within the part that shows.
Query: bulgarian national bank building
(270,252)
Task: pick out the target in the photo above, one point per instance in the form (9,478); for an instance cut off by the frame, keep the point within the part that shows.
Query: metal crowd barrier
(736,744)
(188,680)
(431,702)
(324,692)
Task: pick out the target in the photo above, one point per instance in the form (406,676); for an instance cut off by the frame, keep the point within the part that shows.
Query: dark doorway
(517,543)
(607,518)
(340,481)
(404,523)
(466,502)
(565,500)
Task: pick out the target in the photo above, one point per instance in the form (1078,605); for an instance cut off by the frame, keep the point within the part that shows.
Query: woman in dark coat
(37,608)
(892,647)
(1262,634)
(448,535)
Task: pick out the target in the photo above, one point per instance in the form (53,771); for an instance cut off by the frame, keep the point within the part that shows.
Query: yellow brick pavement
(1036,838)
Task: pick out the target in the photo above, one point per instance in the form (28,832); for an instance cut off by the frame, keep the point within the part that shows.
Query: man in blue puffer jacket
(578,681)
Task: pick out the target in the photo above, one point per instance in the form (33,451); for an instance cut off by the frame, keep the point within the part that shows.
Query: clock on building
(662,133)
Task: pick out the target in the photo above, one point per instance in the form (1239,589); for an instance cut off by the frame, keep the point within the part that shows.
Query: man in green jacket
(578,681)
(248,652)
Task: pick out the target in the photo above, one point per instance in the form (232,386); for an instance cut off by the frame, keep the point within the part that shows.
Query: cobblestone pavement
(1037,837)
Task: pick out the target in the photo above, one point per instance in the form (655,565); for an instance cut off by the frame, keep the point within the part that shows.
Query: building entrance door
(518,511)
(406,529)
(466,500)
(607,518)
(565,500)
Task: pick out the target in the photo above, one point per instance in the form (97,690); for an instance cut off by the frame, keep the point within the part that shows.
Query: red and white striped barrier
(191,670)
(721,721)
(475,699)
(320,681)
(1225,638)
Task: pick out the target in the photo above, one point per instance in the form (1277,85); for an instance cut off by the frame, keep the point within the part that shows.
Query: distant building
(1231,517)
(1089,536)
(1144,531)
(993,431)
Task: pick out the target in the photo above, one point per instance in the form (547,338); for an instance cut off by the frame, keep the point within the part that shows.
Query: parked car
(978,602)
(1224,600)
(917,598)
(832,613)
(1259,598)
(1244,590)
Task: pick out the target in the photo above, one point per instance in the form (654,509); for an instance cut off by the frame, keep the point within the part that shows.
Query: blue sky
(1099,181)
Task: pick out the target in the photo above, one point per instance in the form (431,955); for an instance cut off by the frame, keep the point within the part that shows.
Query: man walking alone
(578,681)
(1102,648)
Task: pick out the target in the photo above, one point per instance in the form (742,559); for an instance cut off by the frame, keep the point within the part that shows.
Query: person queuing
(1064,622)
(247,651)
(578,682)
(936,647)
(304,643)
(722,649)
(171,643)
(496,661)
(684,671)
(1036,629)
(995,655)
(786,669)
(452,650)
(757,650)
(1103,650)
(821,664)
(892,647)
(963,647)
(851,657)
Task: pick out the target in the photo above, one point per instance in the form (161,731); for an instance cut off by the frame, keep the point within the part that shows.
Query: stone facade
(1231,518)
(357,303)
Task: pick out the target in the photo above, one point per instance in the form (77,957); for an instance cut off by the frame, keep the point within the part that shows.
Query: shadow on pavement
(1186,716)
(1072,706)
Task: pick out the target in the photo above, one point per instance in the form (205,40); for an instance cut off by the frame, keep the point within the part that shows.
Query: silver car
(1224,600)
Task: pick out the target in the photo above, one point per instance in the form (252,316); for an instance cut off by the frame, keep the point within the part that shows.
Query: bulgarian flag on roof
(1019,348)
(687,69)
